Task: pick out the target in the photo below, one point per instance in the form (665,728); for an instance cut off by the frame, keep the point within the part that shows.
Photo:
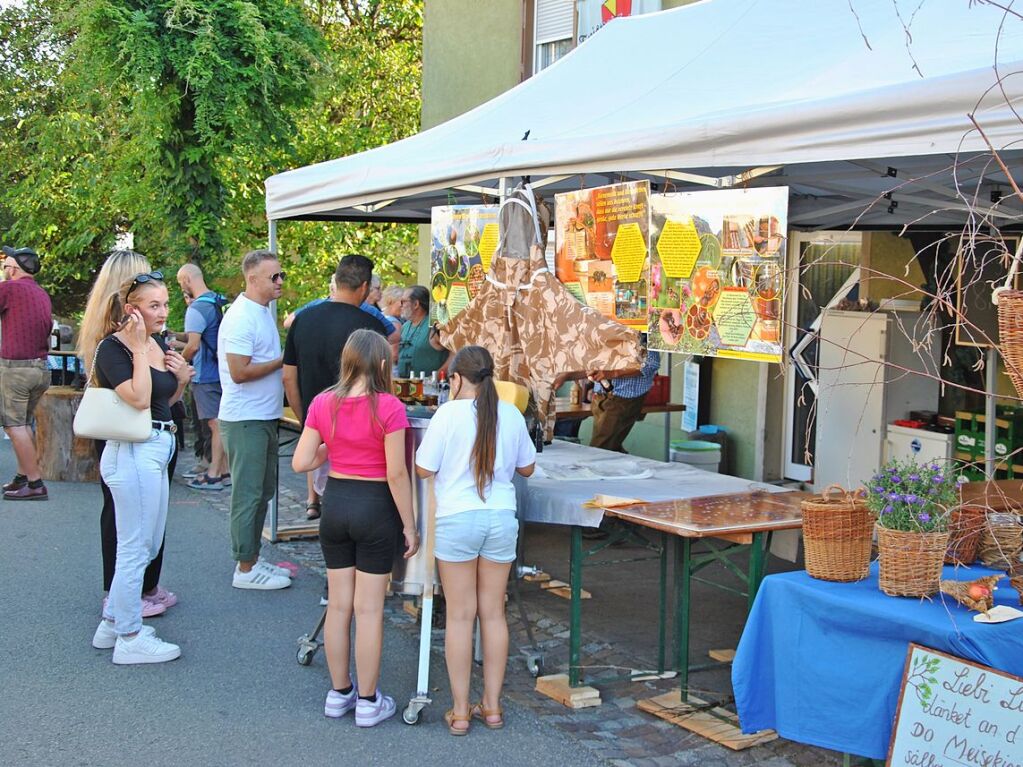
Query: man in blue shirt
(615,412)
(202,322)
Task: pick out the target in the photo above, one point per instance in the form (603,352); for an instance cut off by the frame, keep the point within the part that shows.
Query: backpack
(208,337)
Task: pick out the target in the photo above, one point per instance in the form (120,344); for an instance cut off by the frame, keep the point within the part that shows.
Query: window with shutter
(553,35)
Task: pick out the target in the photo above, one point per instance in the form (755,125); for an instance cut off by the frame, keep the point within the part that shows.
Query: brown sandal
(450,717)
(312,510)
(481,713)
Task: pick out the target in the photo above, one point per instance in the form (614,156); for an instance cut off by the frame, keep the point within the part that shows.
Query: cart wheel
(411,714)
(534,663)
(305,656)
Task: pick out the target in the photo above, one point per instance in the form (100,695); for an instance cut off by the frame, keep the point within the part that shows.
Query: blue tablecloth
(821,663)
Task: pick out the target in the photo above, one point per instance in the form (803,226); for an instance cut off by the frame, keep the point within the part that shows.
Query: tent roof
(822,97)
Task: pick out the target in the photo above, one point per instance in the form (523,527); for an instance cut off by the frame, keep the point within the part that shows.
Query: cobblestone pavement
(615,731)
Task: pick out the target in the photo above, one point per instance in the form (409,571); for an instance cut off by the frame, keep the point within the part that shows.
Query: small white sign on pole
(690,395)
(956,712)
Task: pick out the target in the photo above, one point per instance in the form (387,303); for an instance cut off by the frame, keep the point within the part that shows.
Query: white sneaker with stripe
(259,578)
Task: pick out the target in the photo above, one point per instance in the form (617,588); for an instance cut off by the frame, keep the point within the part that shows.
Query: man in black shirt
(312,351)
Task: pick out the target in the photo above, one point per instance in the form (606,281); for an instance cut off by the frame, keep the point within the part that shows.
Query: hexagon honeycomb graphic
(679,248)
(629,253)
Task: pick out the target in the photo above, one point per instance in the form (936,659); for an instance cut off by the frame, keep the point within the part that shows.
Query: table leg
(757,560)
(662,624)
(575,609)
(683,584)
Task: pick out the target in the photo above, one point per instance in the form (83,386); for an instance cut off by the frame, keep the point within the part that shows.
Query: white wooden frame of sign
(953,711)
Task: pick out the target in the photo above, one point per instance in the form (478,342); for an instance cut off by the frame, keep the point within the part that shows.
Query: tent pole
(274,502)
(990,428)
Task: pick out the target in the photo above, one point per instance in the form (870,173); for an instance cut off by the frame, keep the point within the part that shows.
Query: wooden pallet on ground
(556,686)
(294,532)
(713,723)
(563,590)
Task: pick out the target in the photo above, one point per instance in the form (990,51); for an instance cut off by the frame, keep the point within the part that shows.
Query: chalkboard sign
(978,271)
(955,712)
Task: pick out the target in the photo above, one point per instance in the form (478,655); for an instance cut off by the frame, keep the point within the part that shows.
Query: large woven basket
(836,536)
(910,563)
(1010,335)
(965,528)
(1000,544)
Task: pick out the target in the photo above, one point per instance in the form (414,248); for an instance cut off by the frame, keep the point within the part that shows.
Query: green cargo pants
(252,454)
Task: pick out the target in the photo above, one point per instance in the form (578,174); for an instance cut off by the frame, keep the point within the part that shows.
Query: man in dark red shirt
(26,319)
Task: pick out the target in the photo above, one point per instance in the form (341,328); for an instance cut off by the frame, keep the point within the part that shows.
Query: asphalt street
(235,697)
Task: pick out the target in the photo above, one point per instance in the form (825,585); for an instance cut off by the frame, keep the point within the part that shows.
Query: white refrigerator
(873,368)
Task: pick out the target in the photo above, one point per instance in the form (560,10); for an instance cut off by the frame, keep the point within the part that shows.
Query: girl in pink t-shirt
(359,427)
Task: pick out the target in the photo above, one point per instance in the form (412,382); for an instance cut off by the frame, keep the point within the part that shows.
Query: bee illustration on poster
(463,239)
(602,248)
(717,273)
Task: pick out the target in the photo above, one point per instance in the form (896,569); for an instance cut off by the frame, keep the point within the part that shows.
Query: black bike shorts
(359,526)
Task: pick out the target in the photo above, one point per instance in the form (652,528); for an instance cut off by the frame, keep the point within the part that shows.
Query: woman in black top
(134,361)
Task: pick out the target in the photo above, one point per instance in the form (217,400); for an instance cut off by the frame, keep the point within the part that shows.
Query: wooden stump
(63,457)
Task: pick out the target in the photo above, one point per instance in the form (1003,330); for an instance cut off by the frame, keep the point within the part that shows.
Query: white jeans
(136,473)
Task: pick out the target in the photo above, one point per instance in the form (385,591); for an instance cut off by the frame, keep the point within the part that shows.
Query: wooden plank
(540,577)
(722,656)
(294,533)
(556,686)
(563,590)
(715,724)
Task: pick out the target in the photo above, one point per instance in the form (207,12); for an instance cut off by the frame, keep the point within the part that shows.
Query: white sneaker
(337,704)
(146,647)
(266,567)
(369,713)
(258,578)
(105,637)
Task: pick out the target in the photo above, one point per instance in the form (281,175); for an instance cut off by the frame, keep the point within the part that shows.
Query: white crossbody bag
(103,415)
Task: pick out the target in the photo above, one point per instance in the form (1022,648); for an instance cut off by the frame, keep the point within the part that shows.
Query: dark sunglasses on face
(142,279)
(278,276)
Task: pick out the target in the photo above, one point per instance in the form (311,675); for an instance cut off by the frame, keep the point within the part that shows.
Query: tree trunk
(63,457)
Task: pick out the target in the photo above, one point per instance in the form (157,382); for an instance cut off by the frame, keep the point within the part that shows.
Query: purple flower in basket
(935,467)
(923,516)
(888,509)
(910,498)
(914,477)
(937,479)
(878,489)
(896,478)
(894,497)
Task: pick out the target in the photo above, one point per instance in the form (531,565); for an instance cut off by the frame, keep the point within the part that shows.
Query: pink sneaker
(150,608)
(167,598)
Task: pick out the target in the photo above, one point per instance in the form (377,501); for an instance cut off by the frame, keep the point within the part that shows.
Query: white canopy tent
(843,101)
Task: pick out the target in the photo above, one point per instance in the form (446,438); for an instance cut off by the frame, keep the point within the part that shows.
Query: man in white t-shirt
(249,360)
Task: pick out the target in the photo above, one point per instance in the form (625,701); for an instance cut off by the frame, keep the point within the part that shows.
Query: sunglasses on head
(278,276)
(142,279)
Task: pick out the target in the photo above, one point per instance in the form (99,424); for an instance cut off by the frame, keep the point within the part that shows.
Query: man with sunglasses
(27,317)
(249,360)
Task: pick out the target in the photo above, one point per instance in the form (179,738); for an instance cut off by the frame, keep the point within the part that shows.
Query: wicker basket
(1010,335)
(1000,544)
(836,536)
(910,562)
(965,528)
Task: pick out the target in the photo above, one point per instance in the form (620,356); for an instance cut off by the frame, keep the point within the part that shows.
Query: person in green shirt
(415,354)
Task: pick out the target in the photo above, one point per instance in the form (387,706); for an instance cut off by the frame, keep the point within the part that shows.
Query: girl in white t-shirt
(474,445)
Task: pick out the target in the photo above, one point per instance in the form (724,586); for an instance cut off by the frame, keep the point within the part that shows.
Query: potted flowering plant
(912,504)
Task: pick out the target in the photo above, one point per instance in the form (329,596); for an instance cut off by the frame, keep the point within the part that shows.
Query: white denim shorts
(488,533)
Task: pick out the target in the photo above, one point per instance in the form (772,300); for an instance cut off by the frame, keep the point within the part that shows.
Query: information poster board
(603,248)
(955,712)
(463,239)
(717,273)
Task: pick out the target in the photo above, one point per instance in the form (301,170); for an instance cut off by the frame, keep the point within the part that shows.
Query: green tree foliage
(163,119)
